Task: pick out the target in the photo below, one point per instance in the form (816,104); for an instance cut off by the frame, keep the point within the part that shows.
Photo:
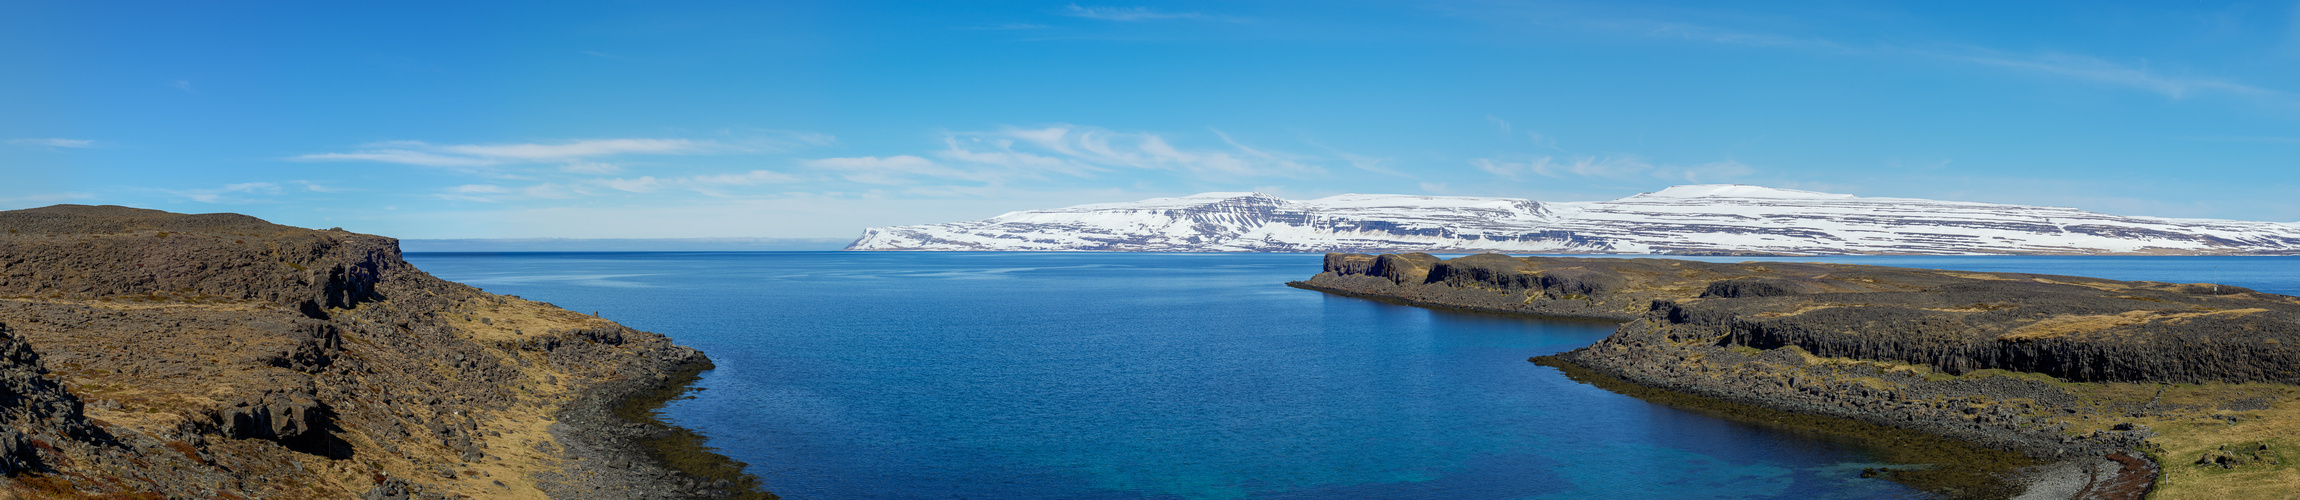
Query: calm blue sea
(1190,376)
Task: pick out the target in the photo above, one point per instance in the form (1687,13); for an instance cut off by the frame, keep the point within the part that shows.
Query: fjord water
(1196,376)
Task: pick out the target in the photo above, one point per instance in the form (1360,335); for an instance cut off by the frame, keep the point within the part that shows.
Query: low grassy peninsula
(2080,387)
(146,354)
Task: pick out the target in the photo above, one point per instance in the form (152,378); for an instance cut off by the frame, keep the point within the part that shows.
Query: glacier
(1712,219)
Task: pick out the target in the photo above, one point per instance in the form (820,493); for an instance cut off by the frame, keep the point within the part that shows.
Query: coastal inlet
(1100,375)
(2081,372)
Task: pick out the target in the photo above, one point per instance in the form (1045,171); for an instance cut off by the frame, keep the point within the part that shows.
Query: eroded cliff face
(2074,328)
(219,356)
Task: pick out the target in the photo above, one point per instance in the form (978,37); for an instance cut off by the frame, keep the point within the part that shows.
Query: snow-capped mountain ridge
(1716,218)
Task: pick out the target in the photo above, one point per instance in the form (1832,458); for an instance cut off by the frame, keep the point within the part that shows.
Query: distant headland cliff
(1682,220)
(220,356)
(2105,378)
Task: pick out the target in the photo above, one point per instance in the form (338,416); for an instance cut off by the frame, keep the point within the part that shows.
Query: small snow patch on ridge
(1736,191)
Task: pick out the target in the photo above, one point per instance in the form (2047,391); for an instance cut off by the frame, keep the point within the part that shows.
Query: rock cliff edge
(220,356)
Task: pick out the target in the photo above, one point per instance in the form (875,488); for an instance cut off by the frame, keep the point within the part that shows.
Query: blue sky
(817,119)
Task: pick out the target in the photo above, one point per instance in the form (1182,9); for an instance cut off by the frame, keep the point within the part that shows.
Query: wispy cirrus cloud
(53,143)
(1078,150)
(710,184)
(2080,67)
(317,187)
(1009,154)
(751,178)
(643,184)
(1624,167)
(581,156)
(40,198)
(1370,164)
(1005,27)
(899,169)
(472,192)
(403,157)
(482,155)
(2255,139)
(1126,14)
(245,192)
(576,149)
(2099,70)
(491,193)
(2067,65)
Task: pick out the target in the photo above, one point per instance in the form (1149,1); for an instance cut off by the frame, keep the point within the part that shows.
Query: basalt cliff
(2062,369)
(152,354)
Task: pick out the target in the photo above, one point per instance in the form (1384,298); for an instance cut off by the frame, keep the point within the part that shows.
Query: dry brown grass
(512,458)
(2183,435)
(1972,275)
(2066,325)
(514,319)
(2187,436)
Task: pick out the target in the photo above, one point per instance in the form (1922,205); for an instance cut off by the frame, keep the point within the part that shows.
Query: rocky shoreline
(609,456)
(221,356)
(2020,363)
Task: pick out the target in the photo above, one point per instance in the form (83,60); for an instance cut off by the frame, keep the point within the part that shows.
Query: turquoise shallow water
(1194,376)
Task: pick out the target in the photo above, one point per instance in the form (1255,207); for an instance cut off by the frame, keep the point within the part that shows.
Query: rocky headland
(2050,386)
(147,354)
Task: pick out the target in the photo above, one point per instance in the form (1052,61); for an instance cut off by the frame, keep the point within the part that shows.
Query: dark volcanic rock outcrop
(35,410)
(221,356)
(2074,328)
(86,252)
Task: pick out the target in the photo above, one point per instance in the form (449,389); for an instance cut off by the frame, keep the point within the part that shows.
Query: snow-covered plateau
(1702,219)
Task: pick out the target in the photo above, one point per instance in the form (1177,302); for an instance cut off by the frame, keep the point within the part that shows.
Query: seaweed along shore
(2044,386)
(153,354)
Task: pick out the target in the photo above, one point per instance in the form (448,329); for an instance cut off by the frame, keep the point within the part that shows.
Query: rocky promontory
(220,356)
(2054,368)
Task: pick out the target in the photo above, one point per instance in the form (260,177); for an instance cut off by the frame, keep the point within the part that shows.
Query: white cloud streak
(997,157)
(752,178)
(576,149)
(711,185)
(230,193)
(576,156)
(403,157)
(1082,150)
(481,155)
(900,169)
(43,198)
(2101,71)
(2072,66)
(53,143)
(1625,167)
(1125,14)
